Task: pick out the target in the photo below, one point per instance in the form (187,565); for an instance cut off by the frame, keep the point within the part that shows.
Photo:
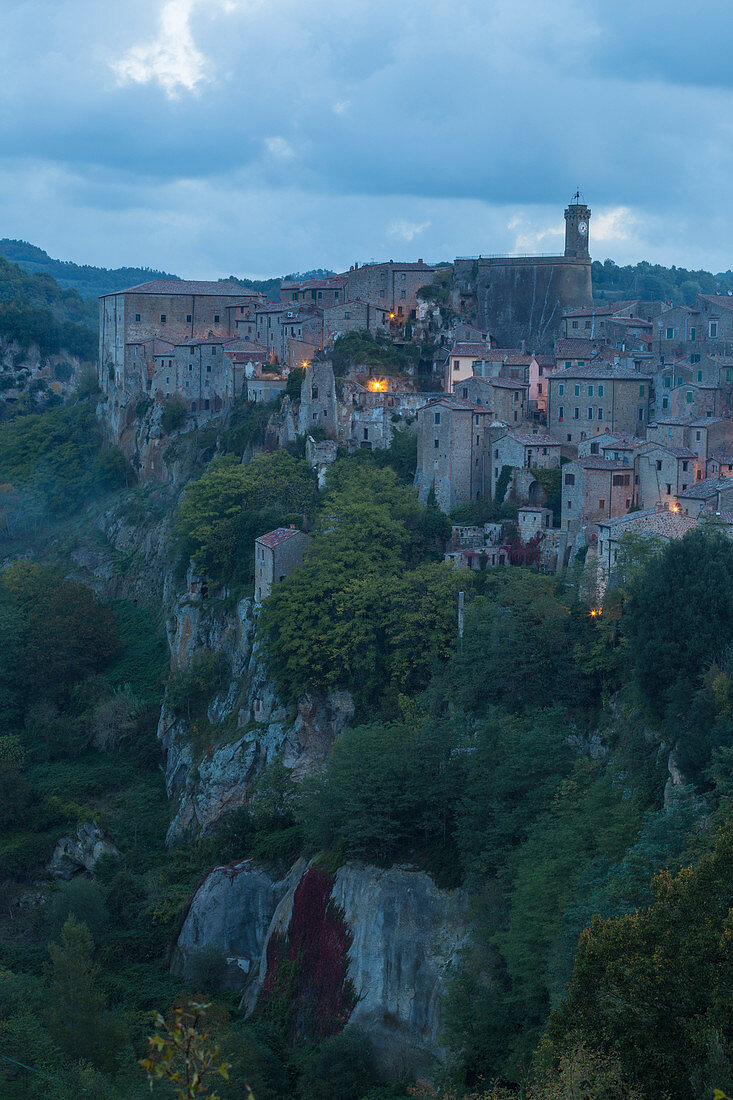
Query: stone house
(523,451)
(707,437)
(509,399)
(277,554)
(663,472)
(716,317)
(477,558)
(593,489)
(275,324)
(611,445)
(539,370)
(318,403)
(452,451)
(693,400)
(464,360)
(656,523)
(369,413)
(533,520)
(201,371)
(324,293)
(590,322)
(353,316)
(712,494)
(589,400)
(394,285)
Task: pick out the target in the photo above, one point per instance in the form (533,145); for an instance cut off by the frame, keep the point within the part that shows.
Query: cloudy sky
(258,137)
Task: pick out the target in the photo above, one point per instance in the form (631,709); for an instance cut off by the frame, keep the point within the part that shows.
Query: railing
(515,256)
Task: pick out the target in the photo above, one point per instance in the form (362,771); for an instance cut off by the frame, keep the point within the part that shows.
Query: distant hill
(34,309)
(652,281)
(88,281)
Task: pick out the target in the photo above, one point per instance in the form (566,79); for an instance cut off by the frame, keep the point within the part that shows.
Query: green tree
(76,1004)
(664,972)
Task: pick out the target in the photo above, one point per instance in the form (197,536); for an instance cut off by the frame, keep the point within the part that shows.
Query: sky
(261,137)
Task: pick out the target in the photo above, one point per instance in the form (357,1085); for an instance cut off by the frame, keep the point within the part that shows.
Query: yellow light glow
(377,384)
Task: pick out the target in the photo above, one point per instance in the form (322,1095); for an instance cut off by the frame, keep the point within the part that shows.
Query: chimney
(524,347)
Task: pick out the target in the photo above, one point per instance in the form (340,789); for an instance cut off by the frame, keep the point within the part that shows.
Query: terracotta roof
(653,521)
(604,309)
(595,462)
(507,383)
(184,286)
(600,370)
(278,536)
(478,350)
(194,341)
(721,300)
(449,401)
(576,347)
(632,321)
(329,282)
(705,489)
(527,439)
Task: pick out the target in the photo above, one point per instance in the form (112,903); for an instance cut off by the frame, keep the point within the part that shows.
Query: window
(208,368)
(314,393)
(587,324)
(560,412)
(137,316)
(621,479)
(659,463)
(381,294)
(576,413)
(684,486)
(590,391)
(568,504)
(456,364)
(665,402)
(188,316)
(570,479)
(727,376)
(366,433)
(561,389)
(641,391)
(399,311)
(347,314)
(590,412)
(575,324)
(600,390)
(568,363)
(437,418)
(403,294)
(669,489)
(191,351)
(320,295)
(688,397)
(684,467)
(667,382)
(641,414)
(539,387)
(692,333)
(476,419)
(599,414)
(601,504)
(713,329)
(465,393)
(478,441)
(699,376)
(436,443)
(577,391)
(670,334)
(162,318)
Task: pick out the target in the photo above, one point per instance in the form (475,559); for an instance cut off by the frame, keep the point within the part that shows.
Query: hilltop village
(594,420)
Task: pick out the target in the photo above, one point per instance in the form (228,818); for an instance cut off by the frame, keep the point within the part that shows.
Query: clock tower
(577,223)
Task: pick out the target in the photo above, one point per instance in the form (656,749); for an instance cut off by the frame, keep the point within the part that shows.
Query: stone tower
(577,227)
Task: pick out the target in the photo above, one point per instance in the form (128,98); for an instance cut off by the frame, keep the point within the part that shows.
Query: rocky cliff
(405,936)
(246,726)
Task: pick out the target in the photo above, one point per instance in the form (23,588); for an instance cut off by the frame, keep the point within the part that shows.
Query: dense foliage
(54,460)
(377,354)
(232,504)
(654,282)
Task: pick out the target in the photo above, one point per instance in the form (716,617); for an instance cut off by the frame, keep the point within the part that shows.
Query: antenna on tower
(577,198)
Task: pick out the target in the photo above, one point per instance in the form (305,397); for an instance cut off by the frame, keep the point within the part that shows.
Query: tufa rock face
(74,855)
(407,935)
(251,727)
(225,930)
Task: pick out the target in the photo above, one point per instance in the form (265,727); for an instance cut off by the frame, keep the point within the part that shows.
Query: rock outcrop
(248,726)
(227,923)
(406,936)
(75,855)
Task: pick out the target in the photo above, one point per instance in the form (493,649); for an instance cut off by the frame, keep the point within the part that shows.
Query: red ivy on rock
(307,992)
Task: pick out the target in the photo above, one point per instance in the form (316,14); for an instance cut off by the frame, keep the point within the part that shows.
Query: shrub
(174,414)
(341,1068)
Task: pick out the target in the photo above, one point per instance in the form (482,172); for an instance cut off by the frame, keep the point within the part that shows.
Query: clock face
(583,227)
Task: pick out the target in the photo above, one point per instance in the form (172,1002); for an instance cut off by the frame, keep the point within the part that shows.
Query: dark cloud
(217,129)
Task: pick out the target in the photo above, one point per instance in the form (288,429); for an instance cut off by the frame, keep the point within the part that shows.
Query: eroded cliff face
(247,726)
(405,938)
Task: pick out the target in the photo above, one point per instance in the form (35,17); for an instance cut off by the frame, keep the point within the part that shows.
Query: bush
(341,1068)
(174,414)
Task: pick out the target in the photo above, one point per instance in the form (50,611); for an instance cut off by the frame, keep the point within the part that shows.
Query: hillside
(653,281)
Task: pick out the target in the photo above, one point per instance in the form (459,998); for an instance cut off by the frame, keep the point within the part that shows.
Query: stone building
(172,310)
(533,520)
(523,451)
(663,472)
(324,293)
(589,322)
(354,316)
(506,398)
(277,554)
(588,400)
(594,489)
(524,297)
(452,451)
(393,285)
(318,403)
(712,494)
(660,524)
(694,400)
